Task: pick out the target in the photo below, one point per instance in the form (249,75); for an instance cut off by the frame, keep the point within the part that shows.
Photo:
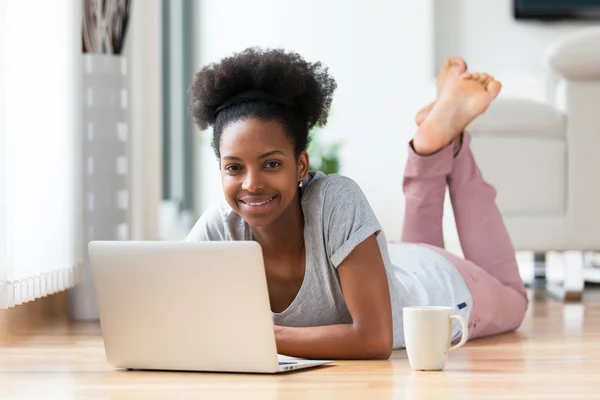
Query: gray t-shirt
(337,218)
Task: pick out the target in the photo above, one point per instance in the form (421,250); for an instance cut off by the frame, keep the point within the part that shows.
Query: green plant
(323,156)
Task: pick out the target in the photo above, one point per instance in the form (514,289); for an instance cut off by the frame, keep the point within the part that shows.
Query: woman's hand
(366,292)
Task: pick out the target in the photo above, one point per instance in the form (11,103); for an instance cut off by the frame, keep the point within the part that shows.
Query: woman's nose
(252,181)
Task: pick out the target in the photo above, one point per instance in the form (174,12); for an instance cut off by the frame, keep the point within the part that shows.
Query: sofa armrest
(518,117)
(576,56)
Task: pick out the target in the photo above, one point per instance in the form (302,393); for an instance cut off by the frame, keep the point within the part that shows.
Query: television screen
(557,9)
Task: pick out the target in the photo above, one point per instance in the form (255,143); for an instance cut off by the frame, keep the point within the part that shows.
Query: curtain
(40,51)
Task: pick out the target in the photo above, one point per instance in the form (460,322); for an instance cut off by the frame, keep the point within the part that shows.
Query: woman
(336,286)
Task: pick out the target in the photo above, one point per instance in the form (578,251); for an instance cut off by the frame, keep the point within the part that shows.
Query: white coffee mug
(428,335)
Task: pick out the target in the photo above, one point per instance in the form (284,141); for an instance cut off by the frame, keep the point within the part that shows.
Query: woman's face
(259,171)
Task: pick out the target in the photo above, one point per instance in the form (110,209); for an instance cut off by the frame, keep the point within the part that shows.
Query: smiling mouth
(257,203)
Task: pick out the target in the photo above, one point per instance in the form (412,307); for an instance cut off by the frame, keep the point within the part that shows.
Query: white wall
(486,34)
(143,50)
(381,54)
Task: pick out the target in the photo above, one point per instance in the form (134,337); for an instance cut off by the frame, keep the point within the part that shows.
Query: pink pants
(490,267)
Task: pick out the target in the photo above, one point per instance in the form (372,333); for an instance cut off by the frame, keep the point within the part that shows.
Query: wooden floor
(555,355)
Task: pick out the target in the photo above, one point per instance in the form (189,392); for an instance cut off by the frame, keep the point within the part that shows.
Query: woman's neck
(285,237)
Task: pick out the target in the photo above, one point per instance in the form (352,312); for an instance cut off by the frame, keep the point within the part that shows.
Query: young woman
(336,286)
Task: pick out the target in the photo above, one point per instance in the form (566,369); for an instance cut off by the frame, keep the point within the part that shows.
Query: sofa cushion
(529,173)
(576,56)
(522,118)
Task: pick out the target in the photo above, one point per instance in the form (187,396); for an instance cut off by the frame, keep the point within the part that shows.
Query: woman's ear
(303,165)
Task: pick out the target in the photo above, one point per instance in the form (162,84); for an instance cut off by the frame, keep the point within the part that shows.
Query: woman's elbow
(378,346)
(382,354)
(381,351)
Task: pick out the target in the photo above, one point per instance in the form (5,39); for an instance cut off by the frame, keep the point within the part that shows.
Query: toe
(483,77)
(458,61)
(494,87)
(466,75)
(475,76)
(488,80)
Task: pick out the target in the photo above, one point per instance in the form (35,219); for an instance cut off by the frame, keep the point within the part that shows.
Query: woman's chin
(256,221)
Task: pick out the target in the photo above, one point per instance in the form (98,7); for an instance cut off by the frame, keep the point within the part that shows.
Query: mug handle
(465,332)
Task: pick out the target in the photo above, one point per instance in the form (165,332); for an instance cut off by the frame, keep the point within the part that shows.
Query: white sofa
(545,163)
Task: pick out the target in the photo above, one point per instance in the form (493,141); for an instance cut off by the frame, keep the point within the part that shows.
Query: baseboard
(26,317)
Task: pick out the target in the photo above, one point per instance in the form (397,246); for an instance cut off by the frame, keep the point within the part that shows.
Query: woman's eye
(233,168)
(273,164)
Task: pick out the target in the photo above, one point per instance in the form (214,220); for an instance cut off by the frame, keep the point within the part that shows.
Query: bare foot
(423,112)
(450,70)
(459,103)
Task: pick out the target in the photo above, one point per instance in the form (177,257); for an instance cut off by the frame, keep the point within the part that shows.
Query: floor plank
(555,355)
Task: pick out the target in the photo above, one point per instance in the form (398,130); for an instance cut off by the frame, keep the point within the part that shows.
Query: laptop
(186,307)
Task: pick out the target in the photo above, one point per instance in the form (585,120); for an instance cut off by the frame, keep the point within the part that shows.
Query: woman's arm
(366,292)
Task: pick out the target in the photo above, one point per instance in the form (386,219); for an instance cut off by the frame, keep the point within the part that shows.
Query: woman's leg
(483,236)
(425,177)
(497,307)
(424,190)
(490,268)
(473,202)
(499,298)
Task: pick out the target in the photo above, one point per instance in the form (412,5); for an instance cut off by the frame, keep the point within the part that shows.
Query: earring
(300,183)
